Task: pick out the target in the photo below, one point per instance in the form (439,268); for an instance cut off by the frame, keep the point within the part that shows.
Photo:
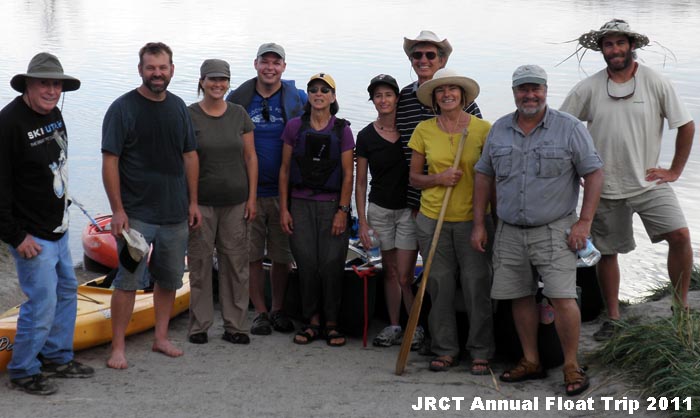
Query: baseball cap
(529,74)
(271,47)
(325,77)
(215,68)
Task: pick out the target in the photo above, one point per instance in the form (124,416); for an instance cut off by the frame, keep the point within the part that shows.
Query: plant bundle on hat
(44,66)
(445,76)
(592,39)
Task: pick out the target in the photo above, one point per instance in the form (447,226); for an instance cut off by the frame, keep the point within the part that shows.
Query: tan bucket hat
(443,77)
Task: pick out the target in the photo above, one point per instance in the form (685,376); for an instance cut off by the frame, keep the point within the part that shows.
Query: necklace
(384,128)
(455,127)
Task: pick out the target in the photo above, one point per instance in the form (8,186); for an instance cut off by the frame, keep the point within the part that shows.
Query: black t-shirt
(387,167)
(150,137)
(33,174)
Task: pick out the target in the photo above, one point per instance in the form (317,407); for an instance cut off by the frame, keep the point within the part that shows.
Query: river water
(98,42)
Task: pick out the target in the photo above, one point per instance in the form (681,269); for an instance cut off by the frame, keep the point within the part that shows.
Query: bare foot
(167,348)
(117,360)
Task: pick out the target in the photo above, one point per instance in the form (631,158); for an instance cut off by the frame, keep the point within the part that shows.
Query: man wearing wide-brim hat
(427,54)
(535,158)
(34,222)
(625,105)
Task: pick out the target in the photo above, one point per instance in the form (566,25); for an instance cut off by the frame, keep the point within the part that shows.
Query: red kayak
(99,245)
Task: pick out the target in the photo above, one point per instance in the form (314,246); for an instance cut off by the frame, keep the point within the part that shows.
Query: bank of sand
(272,377)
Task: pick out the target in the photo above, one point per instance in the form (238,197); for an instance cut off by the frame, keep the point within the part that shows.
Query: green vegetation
(659,292)
(662,355)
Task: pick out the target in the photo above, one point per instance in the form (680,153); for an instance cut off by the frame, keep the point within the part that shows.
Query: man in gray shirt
(536,156)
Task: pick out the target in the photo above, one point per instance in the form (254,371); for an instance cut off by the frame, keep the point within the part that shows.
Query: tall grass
(662,356)
(663,290)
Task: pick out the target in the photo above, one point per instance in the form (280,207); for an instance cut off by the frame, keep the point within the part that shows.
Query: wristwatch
(345,209)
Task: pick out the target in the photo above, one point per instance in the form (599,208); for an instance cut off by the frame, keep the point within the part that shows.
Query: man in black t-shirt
(34,222)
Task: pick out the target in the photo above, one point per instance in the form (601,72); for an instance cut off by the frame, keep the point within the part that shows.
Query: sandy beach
(272,377)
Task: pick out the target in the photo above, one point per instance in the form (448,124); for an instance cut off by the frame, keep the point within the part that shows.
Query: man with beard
(536,157)
(270,102)
(150,171)
(625,106)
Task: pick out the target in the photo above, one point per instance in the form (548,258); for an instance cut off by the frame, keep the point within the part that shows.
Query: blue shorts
(166,263)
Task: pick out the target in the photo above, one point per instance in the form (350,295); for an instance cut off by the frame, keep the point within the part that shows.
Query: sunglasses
(430,55)
(324,90)
(623,97)
(265,110)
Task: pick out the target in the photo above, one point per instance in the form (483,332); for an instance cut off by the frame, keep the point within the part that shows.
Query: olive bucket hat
(45,66)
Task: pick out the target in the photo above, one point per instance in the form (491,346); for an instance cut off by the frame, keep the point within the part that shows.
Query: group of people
(267,171)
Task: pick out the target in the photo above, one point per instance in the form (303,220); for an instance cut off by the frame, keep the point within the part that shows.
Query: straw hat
(44,66)
(591,40)
(443,77)
(427,37)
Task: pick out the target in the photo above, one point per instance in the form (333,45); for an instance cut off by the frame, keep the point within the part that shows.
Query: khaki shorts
(516,250)
(395,228)
(266,229)
(658,208)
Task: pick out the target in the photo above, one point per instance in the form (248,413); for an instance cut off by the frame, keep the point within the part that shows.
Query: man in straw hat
(34,222)
(536,157)
(427,54)
(150,171)
(625,105)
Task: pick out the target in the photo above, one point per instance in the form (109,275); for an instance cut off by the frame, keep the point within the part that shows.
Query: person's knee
(679,237)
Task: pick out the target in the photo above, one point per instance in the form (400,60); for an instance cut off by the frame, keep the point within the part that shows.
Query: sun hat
(591,39)
(271,47)
(429,37)
(325,77)
(215,68)
(135,249)
(529,74)
(383,79)
(45,66)
(443,77)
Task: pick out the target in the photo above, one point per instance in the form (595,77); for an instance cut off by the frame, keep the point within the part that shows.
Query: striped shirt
(409,113)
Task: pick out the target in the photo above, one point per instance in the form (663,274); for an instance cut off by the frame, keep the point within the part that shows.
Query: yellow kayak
(93,325)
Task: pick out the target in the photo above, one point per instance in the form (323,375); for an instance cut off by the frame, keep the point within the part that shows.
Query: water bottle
(588,256)
(374,253)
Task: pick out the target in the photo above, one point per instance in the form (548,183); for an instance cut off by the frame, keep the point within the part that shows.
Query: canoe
(93,325)
(100,246)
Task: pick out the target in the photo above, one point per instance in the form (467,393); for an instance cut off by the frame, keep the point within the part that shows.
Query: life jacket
(315,161)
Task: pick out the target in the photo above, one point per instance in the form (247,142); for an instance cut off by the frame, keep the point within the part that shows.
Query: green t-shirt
(223,179)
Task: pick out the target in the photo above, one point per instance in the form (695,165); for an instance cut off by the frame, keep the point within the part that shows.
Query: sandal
(442,363)
(309,332)
(480,368)
(332,333)
(574,375)
(524,371)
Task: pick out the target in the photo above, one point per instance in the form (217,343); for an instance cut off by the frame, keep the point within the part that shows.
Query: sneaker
(70,369)
(418,337)
(389,336)
(606,331)
(281,322)
(261,325)
(37,384)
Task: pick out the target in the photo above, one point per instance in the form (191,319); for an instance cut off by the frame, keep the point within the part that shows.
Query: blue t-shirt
(268,142)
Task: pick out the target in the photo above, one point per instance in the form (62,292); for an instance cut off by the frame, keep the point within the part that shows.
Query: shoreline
(274,377)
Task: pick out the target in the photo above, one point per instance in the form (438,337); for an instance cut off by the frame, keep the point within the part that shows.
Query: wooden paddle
(418,300)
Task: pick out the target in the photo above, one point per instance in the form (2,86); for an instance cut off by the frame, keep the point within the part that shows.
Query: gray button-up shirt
(537,175)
